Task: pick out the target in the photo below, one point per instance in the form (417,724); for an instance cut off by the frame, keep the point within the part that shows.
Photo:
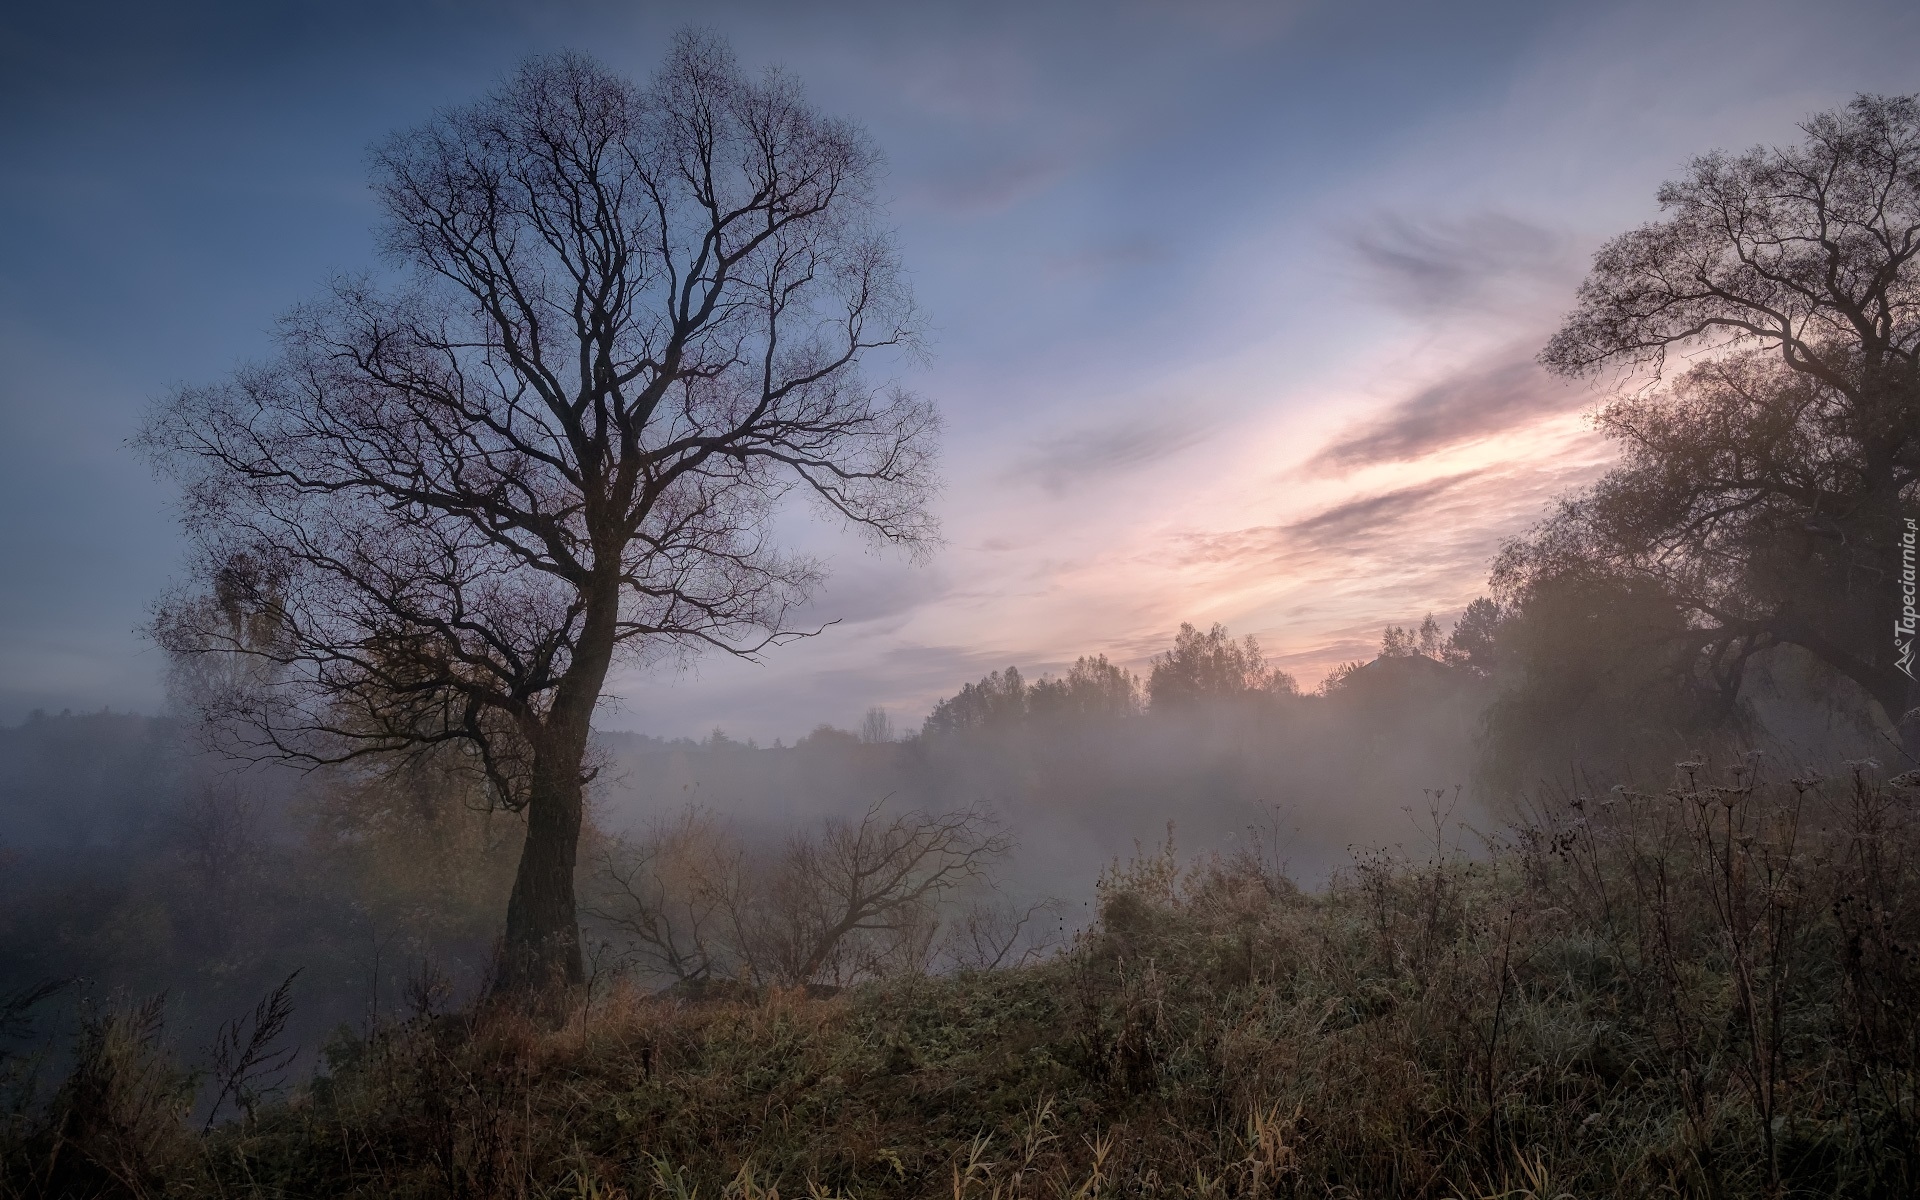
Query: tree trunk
(541,952)
(1865,646)
(540,956)
(1894,694)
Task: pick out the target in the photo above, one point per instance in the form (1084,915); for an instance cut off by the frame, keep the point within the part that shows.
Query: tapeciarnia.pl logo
(1904,627)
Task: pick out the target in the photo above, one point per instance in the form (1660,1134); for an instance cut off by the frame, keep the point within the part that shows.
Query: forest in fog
(1605,882)
(143,863)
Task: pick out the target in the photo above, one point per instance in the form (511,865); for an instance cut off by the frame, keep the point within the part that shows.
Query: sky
(1233,305)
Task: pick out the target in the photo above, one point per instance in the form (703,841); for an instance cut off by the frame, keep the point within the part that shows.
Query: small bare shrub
(248,1060)
(847,901)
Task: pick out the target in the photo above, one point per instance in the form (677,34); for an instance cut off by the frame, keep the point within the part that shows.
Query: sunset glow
(1231,309)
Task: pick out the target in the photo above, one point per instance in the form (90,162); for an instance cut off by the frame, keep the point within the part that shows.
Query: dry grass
(1705,989)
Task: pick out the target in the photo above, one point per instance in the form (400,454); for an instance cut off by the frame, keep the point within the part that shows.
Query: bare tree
(15,1007)
(846,901)
(631,321)
(876,727)
(1766,489)
(840,903)
(994,933)
(670,892)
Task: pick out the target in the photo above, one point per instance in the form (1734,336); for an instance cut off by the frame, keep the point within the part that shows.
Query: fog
(139,863)
(1319,774)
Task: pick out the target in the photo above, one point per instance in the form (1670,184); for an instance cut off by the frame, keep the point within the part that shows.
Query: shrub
(1697,990)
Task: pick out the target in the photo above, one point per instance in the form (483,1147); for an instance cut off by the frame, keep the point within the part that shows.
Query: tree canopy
(627,320)
(1764,488)
(1212,666)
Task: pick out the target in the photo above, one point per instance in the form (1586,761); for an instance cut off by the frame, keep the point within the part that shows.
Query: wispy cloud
(1345,527)
(874,590)
(1487,261)
(1369,517)
(1064,461)
(1496,394)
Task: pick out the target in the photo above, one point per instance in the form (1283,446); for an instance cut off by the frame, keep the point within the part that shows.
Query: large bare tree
(1767,487)
(624,322)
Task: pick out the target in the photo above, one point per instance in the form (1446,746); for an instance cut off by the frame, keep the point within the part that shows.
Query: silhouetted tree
(876,727)
(1429,643)
(851,900)
(1473,645)
(1766,489)
(1212,666)
(668,893)
(633,321)
(1091,688)
(845,901)
(1397,641)
(826,737)
(1595,674)
(999,699)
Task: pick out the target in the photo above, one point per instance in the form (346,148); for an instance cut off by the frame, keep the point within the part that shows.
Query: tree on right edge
(1765,488)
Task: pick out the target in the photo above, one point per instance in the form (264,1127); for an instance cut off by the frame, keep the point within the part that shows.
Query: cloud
(871,589)
(1489,397)
(1073,458)
(1488,261)
(1346,528)
(1370,517)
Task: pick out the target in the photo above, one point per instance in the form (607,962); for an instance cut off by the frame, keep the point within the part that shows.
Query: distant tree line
(1200,667)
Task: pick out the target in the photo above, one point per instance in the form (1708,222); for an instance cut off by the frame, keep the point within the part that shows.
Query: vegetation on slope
(1701,989)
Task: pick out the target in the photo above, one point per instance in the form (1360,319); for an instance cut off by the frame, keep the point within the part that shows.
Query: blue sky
(1233,303)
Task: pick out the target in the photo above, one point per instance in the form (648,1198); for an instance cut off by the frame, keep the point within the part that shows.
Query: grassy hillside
(1705,989)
